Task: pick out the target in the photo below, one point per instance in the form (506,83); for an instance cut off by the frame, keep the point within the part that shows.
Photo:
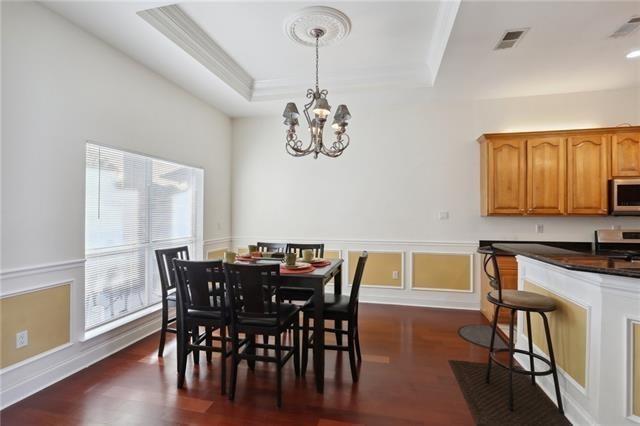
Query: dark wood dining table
(317,280)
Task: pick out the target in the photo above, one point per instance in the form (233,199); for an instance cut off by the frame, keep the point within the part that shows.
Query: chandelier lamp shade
(318,105)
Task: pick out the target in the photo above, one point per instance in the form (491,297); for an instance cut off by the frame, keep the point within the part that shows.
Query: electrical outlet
(539,228)
(395,275)
(22,339)
(443,215)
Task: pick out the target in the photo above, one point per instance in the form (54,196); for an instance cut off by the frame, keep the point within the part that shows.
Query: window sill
(100,330)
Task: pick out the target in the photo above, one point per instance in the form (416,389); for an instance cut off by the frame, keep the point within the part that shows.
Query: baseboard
(572,411)
(31,379)
(414,301)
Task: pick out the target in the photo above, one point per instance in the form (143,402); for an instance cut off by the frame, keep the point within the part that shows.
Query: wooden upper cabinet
(546,176)
(587,174)
(505,177)
(558,172)
(625,154)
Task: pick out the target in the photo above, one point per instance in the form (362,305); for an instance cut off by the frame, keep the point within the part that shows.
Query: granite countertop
(584,261)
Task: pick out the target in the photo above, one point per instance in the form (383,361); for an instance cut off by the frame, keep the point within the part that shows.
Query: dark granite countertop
(584,261)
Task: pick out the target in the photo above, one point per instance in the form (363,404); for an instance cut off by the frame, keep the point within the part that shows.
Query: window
(134,205)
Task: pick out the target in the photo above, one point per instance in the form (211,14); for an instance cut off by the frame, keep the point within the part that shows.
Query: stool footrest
(520,370)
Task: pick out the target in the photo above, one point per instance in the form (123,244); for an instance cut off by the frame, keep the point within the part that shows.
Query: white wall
(61,87)
(406,163)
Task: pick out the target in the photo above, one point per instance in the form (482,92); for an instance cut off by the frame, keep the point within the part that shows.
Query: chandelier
(321,110)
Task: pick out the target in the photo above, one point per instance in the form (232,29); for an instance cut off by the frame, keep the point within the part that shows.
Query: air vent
(510,38)
(627,28)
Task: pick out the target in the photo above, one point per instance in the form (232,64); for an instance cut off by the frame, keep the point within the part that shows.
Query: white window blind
(134,205)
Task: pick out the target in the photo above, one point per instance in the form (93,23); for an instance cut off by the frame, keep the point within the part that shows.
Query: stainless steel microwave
(625,197)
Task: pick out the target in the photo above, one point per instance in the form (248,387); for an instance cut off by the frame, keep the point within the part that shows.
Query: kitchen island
(595,330)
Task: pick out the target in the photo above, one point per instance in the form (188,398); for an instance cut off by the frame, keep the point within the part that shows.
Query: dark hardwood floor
(405,380)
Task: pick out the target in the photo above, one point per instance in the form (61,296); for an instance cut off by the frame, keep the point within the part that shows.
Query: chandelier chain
(317,60)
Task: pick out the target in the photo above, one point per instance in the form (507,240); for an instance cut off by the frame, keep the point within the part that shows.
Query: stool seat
(523,300)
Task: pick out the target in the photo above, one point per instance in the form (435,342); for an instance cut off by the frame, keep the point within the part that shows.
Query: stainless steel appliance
(621,244)
(625,197)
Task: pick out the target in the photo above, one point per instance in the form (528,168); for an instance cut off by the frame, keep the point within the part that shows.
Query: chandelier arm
(337,147)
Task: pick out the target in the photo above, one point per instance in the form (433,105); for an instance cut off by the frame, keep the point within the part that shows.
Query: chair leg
(305,343)
(552,358)
(513,316)
(296,347)
(338,326)
(209,342)
(223,360)
(235,360)
(351,339)
(530,338)
(251,350)
(493,339)
(279,368)
(358,352)
(163,330)
(183,354)
(195,332)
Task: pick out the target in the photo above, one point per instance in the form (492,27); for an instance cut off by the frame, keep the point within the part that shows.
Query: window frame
(194,241)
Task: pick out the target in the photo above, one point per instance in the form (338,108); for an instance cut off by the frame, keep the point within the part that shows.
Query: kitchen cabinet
(555,173)
(506,171)
(625,154)
(546,176)
(587,174)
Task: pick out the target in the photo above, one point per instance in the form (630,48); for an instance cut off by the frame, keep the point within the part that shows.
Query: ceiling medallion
(317,98)
(335,24)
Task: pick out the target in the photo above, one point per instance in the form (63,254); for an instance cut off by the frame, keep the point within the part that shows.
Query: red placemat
(306,270)
(321,264)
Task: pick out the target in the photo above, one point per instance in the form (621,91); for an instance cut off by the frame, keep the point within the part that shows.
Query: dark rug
(480,335)
(489,403)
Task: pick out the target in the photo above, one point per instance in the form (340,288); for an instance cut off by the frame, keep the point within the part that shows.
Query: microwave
(625,197)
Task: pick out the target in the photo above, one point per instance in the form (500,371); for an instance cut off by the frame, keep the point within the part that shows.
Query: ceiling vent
(510,38)
(627,28)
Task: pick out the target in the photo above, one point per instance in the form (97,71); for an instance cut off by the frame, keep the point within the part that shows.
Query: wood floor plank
(405,379)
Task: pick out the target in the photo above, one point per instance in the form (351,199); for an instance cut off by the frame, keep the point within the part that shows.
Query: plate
(317,260)
(298,265)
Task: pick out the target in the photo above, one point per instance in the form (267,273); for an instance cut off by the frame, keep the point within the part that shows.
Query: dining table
(317,280)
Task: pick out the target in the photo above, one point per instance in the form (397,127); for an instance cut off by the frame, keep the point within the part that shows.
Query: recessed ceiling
(395,50)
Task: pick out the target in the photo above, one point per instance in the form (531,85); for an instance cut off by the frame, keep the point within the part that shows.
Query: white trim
(34,358)
(214,241)
(587,308)
(447,13)
(471,257)
(119,322)
(43,268)
(630,323)
(407,300)
(178,27)
(38,287)
(41,372)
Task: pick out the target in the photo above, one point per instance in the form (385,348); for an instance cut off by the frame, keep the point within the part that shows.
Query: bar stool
(527,302)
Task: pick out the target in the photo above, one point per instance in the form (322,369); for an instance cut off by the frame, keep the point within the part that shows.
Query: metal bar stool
(528,302)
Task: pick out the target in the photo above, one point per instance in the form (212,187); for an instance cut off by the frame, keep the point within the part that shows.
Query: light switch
(443,215)
(539,228)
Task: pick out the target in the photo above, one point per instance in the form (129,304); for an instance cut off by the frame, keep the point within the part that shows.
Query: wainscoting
(429,273)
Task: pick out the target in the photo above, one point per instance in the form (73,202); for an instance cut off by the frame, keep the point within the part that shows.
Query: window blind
(134,205)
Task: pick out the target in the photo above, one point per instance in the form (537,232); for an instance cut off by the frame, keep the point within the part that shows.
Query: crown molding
(178,27)
(447,13)
(359,80)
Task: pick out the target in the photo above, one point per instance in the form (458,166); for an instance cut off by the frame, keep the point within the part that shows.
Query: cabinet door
(625,154)
(587,175)
(546,176)
(506,175)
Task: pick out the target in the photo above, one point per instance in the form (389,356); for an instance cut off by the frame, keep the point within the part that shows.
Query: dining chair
(255,308)
(275,247)
(341,308)
(168,287)
(295,293)
(201,303)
